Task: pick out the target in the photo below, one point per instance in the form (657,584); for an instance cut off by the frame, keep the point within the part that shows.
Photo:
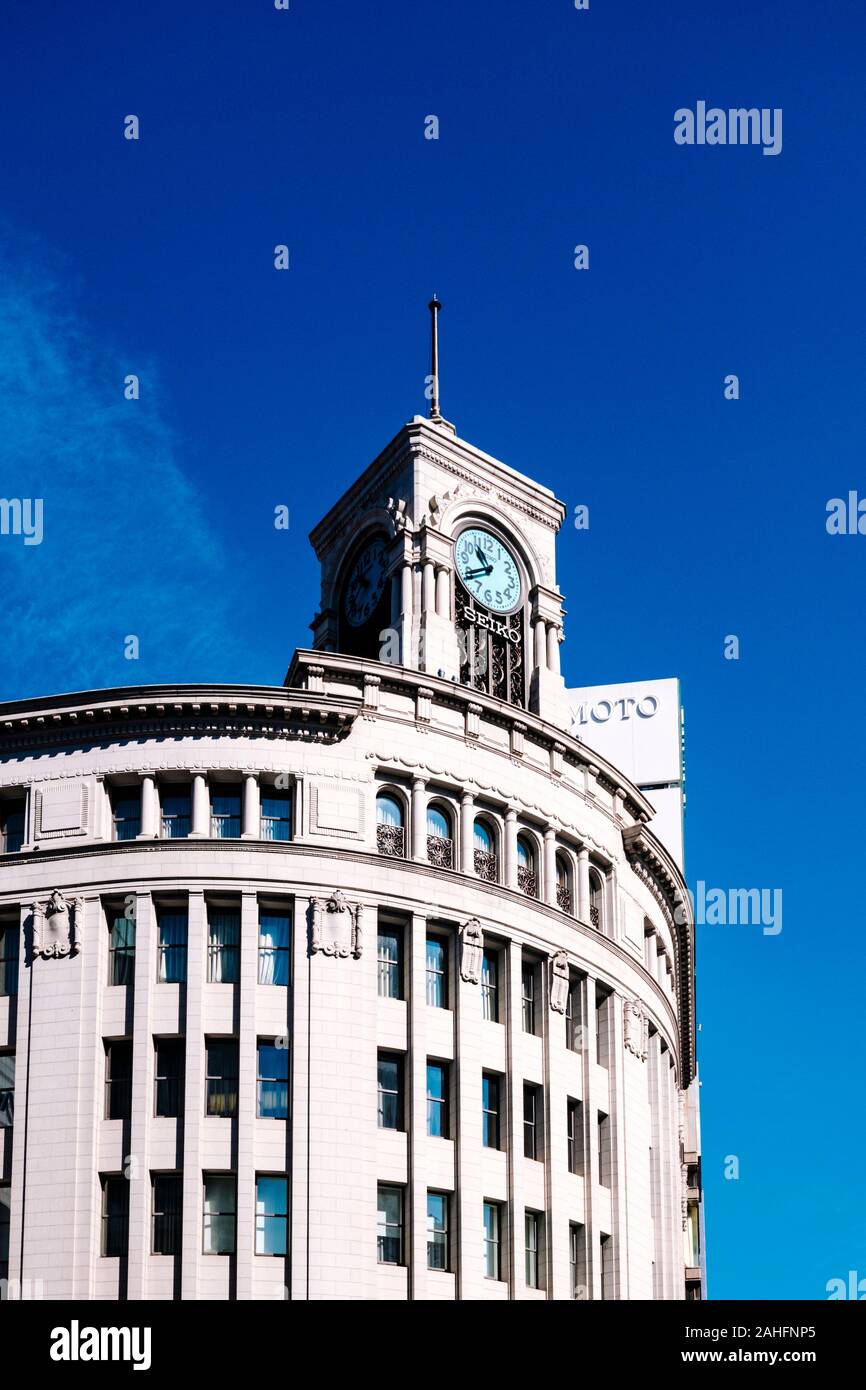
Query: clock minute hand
(474,574)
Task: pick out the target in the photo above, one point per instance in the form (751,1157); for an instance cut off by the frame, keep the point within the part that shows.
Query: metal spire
(434,306)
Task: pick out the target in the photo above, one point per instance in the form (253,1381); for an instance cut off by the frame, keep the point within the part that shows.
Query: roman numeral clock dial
(487,569)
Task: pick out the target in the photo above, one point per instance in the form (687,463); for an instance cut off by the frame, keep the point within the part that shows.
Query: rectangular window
(529,1010)
(222,1077)
(390,1227)
(273,1081)
(437,1100)
(220,1213)
(573,1029)
(276,815)
(390,983)
(7,1089)
(531,1226)
(490,1101)
(272,1214)
(168,1077)
(5,1221)
(606,1267)
(437,976)
(11,825)
(9,943)
(121,949)
(126,813)
(603,1149)
(118,1080)
(490,986)
(115,1215)
(274,939)
(225,813)
(167,1198)
(602,1012)
(532,1122)
(437,1230)
(574,1137)
(390,1091)
(224,946)
(176,818)
(172,927)
(575,1258)
(492,1241)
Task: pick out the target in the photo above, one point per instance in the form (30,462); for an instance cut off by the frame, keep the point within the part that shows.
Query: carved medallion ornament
(471,951)
(337,926)
(559,982)
(636,1027)
(58,926)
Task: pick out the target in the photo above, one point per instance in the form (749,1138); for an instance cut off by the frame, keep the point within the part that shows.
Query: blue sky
(258,388)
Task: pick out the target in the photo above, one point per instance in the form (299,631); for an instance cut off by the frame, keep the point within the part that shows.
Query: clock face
(365,583)
(487,569)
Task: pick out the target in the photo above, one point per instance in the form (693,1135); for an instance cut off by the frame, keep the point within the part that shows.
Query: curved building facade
(376,984)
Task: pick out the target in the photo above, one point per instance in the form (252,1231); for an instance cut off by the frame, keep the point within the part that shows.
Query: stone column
(419,819)
(553,647)
(443,592)
(251,822)
(589,1115)
(511,847)
(540,643)
(549,889)
(467,833)
(583,885)
(428,593)
(513,983)
(149,808)
(200,807)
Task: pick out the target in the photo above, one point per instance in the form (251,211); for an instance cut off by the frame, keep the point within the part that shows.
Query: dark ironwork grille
(527,881)
(563,897)
(485,865)
(440,852)
(390,840)
(491,661)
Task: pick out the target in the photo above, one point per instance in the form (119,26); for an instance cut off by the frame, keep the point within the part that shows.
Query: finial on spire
(434,306)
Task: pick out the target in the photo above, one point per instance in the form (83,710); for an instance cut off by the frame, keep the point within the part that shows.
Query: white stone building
(376,984)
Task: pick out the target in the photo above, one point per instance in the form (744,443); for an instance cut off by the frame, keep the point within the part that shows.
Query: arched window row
(441,840)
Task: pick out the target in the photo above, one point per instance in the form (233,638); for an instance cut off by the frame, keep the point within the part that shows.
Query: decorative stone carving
(559,982)
(397,513)
(471,951)
(58,926)
(636,1027)
(337,926)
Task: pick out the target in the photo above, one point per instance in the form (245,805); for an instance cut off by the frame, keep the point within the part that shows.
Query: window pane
(388,811)
(481,837)
(437,1230)
(436,977)
(271,1215)
(274,934)
(224,931)
(437,823)
(273,1096)
(176,813)
(389,964)
(219,1214)
(172,947)
(276,819)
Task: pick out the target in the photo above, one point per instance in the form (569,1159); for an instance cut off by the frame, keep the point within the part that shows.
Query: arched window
(485,857)
(440,842)
(564,899)
(527,878)
(596,899)
(390,833)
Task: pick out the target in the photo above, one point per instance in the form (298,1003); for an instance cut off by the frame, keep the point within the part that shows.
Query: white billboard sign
(637,726)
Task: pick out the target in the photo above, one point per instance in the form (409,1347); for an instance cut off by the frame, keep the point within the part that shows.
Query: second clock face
(487,569)
(365,583)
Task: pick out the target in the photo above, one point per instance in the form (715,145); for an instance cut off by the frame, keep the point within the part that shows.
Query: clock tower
(441,558)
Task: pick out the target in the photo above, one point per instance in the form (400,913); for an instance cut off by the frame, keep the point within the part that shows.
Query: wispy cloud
(126,546)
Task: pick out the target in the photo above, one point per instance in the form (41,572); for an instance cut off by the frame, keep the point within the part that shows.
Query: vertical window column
(193,1107)
(583,885)
(200,807)
(247,1090)
(142,1096)
(251,813)
(549,886)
